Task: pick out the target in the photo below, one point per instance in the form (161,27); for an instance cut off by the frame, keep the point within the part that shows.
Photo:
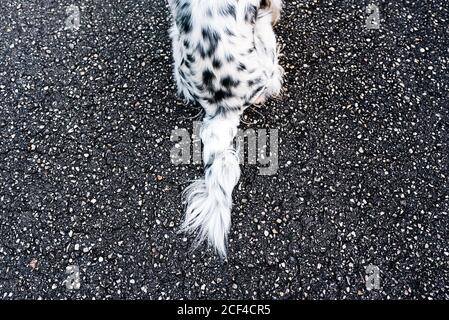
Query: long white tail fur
(209,200)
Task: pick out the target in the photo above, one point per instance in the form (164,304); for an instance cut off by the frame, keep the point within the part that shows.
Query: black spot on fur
(190,58)
(216,63)
(220,95)
(208,78)
(185,63)
(229,58)
(250,13)
(228,82)
(201,51)
(254,82)
(241,67)
(229,32)
(212,37)
(207,165)
(184,18)
(265,4)
(228,10)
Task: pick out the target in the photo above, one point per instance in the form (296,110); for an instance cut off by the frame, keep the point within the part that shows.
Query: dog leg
(267,51)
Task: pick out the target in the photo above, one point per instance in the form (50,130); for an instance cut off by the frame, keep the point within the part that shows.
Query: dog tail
(209,200)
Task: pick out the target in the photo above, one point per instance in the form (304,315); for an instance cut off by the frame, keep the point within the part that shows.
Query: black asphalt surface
(86,177)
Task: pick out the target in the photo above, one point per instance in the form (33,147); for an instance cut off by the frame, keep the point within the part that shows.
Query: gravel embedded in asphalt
(86,179)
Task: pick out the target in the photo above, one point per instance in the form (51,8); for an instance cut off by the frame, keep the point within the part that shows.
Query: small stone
(33,264)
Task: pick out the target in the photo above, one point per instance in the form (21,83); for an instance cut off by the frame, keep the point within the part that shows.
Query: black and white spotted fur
(226,59)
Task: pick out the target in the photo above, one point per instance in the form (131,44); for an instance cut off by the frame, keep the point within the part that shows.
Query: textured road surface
(86,177)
